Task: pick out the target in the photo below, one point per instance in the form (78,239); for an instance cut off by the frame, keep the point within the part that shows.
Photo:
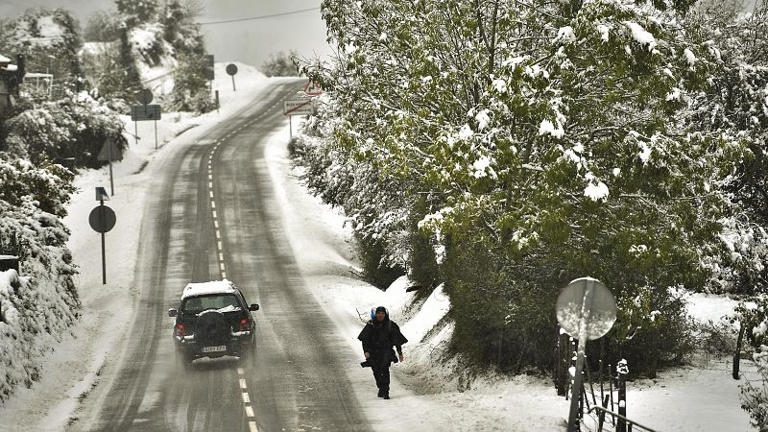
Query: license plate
(218,348)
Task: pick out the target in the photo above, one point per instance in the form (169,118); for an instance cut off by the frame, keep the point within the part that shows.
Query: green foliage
(102,26)
(754,393)
(74,127)
(136,12)
(49,187)
(190,90)
(536,143)
(281,64)
(50,41)
(376,268)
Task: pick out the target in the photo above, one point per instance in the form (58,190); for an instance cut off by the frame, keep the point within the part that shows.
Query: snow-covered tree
(545,141)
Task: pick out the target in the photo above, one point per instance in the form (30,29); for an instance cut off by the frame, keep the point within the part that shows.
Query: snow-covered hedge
(38,308)
(77,126)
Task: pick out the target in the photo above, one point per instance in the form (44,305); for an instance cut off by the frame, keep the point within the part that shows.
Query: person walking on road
(379,336)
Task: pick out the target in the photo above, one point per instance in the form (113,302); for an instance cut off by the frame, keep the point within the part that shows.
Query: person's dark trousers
(382,379)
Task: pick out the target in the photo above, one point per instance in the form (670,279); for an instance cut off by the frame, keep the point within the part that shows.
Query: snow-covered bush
(135,12)
(540,142)
(735,106)
(754,393)
(35,310)
(50,41)
(77,127)
(280,64)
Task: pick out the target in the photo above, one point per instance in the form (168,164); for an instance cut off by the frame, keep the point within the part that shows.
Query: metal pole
(233,84)
(217,102)
(290,126)
(622,425)
(103,251)
(111,178)
(136,131)
(578,379)
(155,134)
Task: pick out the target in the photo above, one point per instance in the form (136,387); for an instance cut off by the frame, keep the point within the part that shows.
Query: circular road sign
(102,219)
(586,307)
(231,69)
(145,96)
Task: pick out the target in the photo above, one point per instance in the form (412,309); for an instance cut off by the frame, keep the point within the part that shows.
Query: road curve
(296,380)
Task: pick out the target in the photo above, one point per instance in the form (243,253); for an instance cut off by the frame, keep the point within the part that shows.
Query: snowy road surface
(295,381)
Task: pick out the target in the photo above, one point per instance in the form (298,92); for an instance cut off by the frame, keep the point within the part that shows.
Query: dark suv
(213,320)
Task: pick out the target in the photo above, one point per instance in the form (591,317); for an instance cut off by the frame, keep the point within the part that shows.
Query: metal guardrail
(601,412)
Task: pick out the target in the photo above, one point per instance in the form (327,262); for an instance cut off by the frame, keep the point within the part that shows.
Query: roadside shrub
(376,269)
(281,64)
(73,127)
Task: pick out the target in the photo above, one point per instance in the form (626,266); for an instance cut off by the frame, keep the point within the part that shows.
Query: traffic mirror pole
(155,134)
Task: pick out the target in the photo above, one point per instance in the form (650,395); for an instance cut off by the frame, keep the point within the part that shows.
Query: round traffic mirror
(586,308)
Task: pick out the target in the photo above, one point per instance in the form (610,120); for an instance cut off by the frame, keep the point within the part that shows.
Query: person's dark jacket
(378,340)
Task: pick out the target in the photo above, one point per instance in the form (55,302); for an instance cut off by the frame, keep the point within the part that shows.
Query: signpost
(232,71)
(145,112)
(110,152)
(292,107)
(209,74)
(586,310)
(102,219)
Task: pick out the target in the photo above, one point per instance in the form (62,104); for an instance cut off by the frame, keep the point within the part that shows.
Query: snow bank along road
(214,214)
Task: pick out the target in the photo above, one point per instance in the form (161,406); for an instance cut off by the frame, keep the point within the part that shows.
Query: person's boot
(386,396)
(381,393)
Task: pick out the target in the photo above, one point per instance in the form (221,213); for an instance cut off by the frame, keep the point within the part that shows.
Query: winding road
(214,215)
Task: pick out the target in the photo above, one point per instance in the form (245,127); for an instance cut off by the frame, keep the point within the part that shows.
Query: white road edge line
(249,411)
(252,426)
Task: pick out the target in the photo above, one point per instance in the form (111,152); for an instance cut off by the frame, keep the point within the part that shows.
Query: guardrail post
(622,371)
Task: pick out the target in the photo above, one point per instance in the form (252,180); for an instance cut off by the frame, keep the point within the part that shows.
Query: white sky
(250,41)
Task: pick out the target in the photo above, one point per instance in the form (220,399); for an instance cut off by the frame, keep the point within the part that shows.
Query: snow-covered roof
(207,288)
(4,59)
(11,68)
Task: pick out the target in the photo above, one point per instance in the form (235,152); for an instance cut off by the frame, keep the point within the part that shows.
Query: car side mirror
(172,312)
(253,307)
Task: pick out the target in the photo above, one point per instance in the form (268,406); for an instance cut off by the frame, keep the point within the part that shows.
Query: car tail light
(245,324)
(180,330)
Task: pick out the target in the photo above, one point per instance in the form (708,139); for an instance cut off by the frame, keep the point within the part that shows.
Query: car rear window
(213,301)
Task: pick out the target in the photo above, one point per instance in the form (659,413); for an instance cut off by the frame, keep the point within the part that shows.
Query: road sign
(231,71)
(101,194)
(312,88)
(209,74)
(298,107)
(110,151)
(586,307)
(145,97)
(102,219)
(145,112)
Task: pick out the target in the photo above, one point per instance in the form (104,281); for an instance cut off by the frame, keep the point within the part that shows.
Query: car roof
(208,288)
